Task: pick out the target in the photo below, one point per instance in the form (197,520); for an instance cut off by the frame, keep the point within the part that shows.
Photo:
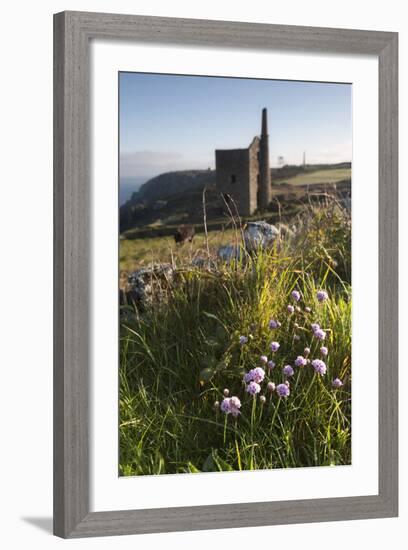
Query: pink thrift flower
(300,361)
(295,295)
(253,388)
(270,386)
(288,370)
(282,390)
(321,296)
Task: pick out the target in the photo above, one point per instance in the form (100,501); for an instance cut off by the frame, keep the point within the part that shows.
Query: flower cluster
(283,390)
(288,371)
(321,296)
(319,366)
(255,375)
(300,361)
(274,346)
(318,332)
(295,295)
(231,405)
(254,378)
(253,388)
(270,386)
(337,383)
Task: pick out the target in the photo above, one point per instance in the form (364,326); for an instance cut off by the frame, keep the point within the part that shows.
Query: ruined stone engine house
(245,175)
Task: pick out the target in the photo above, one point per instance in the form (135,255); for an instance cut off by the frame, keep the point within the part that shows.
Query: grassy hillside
(317,177)
(136,253)
(174,198)
(183,357)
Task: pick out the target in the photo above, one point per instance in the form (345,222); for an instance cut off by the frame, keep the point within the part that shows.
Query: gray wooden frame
(72,34)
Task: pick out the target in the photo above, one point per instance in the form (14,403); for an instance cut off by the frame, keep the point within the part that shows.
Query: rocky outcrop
(259,235)
(148,285)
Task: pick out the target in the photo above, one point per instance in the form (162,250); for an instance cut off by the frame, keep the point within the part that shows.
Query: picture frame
(73,32)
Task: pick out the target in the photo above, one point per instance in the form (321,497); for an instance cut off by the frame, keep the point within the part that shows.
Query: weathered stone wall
(245,173)
(233,177)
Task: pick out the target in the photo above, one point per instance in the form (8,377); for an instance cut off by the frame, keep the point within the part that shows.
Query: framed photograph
(225,288)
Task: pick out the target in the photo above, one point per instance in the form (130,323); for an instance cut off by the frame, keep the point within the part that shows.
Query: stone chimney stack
(265,191)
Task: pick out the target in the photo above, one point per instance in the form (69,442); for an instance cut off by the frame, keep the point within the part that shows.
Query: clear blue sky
(170,122)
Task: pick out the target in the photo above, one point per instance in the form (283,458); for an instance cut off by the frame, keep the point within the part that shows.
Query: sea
(130,185)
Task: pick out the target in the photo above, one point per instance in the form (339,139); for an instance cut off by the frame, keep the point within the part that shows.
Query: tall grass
(177,358)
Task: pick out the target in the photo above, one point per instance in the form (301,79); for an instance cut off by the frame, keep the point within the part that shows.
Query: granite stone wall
(244,174)
(232,177)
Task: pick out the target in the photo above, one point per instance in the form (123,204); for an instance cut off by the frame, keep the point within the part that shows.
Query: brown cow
(184,233)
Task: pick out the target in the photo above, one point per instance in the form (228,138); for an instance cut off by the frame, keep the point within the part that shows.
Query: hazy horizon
(171,122)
